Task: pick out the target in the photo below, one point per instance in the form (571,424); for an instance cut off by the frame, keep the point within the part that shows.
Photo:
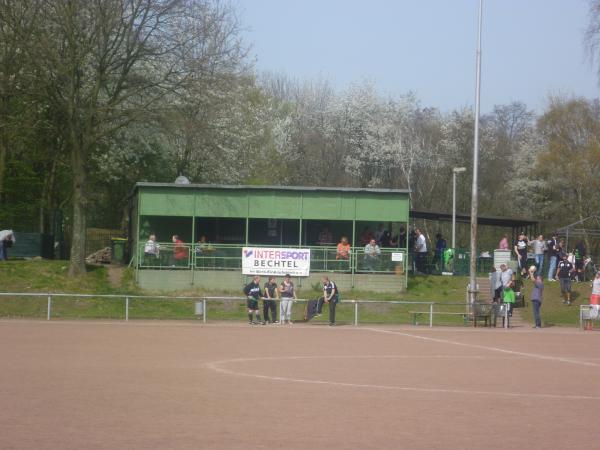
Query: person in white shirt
(372,252)
(151,249)
(420,251)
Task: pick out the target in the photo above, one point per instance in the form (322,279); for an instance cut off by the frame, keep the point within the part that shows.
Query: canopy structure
(587,229)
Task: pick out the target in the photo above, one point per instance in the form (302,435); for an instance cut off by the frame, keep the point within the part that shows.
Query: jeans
(539,262)
(285,307)
(536,312)
(552,269)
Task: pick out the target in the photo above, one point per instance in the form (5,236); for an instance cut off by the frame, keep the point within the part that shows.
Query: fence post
(355,313)
(431,315)
(49,307)
(126,309)
(204,310)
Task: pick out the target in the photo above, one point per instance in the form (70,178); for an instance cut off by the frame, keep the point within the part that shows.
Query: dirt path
(115,275)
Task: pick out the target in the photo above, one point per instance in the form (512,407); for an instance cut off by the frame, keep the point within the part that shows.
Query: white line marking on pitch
(485,347)
(216,366)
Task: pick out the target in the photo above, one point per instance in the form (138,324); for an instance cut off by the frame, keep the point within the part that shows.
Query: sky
(531,49)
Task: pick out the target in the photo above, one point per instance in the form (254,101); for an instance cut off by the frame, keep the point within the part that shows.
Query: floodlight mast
(474,198)
(455,171)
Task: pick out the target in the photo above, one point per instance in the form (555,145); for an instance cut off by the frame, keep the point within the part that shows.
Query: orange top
(343,251)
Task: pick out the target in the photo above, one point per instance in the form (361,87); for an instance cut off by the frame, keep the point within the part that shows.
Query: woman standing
(288,294)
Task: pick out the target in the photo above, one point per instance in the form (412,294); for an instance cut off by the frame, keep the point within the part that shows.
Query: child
(508,297)
(252,291)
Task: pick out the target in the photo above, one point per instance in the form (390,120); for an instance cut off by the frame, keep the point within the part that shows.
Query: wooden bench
(417,314)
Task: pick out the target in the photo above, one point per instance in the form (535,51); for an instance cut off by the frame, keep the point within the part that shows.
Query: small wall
(172,280)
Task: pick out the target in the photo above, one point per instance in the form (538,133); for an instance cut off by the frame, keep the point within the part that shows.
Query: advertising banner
(276,261)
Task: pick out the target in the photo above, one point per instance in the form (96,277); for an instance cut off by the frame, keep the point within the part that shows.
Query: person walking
(252,291)
(330,296)
(269,301)
(288,295)
(537,295)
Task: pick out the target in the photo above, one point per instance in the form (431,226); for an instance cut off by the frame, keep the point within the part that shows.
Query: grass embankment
(52,277)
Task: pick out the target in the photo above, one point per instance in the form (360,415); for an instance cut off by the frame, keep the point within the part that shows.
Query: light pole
(454,172)
(474,192)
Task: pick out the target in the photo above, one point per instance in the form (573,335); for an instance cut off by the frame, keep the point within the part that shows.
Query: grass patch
(52,277)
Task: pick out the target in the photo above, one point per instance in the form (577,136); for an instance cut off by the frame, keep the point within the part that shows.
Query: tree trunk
(77,261)
(2,168)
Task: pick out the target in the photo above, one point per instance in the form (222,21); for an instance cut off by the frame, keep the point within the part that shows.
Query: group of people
(503,284)
(554,249)
(180,250)
(285,293)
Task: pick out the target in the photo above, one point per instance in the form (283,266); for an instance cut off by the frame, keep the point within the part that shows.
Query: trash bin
(118,250)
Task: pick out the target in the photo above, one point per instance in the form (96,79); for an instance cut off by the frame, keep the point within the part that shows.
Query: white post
(126,309)
(355,313)
(431,315)
(48,312)
(203,310)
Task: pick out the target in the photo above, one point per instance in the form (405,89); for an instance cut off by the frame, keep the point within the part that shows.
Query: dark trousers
(269,305)
(332,304)
(421,261)
(536,312)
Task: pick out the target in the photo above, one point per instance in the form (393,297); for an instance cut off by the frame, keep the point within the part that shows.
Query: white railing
(430,308)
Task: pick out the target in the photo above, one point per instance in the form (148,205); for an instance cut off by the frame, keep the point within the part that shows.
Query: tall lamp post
(454,172)
(474,191)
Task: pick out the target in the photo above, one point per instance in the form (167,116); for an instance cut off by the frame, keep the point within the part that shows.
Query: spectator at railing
(151,248)
(372,253)
(342,254)
(201,246)
(7,239)
(180,251)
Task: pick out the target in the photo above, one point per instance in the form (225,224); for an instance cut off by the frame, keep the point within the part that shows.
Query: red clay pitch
(88,385)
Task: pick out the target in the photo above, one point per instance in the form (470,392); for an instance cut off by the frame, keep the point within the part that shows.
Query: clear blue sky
(530,48)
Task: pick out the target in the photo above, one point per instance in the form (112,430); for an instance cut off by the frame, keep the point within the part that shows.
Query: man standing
(420,250)
(330,296)
(536,299)
(539,247)
(563,273)
(269,302)
(252,291)
(520,249)
(552,245)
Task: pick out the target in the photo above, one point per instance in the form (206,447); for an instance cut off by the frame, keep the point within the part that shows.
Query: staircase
(485,295)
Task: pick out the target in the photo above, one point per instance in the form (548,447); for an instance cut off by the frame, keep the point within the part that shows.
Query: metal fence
(414,310)
(229,257)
